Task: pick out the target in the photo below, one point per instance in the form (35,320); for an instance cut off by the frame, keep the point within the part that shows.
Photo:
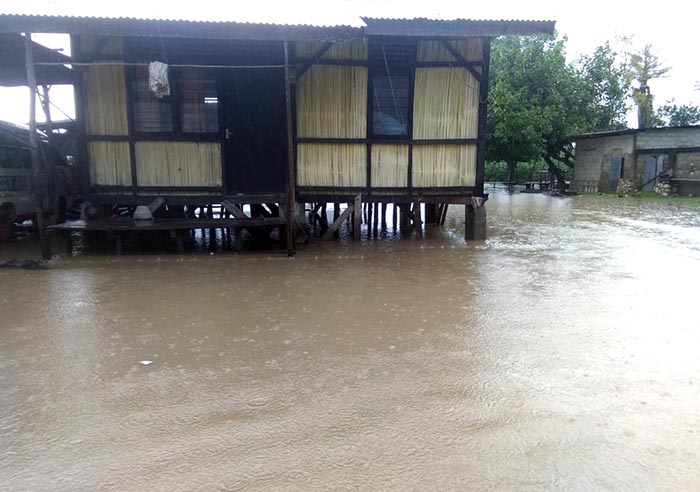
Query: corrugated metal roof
(423,26)
(630,131)
(297,13)
(256,24)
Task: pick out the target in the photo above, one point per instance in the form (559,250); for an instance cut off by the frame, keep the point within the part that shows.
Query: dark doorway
(616,170)
(253,123)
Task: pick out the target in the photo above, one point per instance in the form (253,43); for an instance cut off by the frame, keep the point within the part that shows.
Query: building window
(14,158)
(192,107)
(391,79)
(199,108)
(390,98)
(151,113)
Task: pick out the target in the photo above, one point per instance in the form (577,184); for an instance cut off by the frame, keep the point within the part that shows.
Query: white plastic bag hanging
(158,79)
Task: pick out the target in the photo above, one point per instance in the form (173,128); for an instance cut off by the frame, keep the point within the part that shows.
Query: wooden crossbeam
(234,210)
(460,59)
(336,223)
(305,66)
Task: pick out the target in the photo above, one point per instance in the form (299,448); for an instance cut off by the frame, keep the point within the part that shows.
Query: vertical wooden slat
(291,190)
(483,105)
(39,189)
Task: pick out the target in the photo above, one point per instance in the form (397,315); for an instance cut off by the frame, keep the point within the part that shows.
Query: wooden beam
(483,106)
(303,68)
(461,60)
(39,188)
(291,175)
(234,210)
(337,222)
(357,218)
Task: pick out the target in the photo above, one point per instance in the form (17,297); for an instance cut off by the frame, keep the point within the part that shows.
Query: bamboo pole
(34,148)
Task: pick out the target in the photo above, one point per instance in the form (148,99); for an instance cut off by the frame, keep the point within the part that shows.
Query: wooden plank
(234,210)
(291,176)
(337,222)
(357,218)
(128,224)
(39,189)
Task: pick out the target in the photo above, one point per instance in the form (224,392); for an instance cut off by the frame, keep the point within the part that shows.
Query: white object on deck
(143,212)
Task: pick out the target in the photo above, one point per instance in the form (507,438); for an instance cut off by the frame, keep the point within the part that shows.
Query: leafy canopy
(537,100)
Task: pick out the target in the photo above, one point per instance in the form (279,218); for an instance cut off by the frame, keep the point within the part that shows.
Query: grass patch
(650,196)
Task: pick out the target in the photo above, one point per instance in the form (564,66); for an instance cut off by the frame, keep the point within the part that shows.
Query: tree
(537,100)
(643,67)
(671,114)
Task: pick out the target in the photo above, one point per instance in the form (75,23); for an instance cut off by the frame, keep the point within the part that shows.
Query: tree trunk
(512,175)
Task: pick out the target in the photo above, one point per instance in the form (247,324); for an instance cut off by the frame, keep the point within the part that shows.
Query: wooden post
(376,218)
(383,214)
(291,178)
(394,218)
(417,219)
(39,188)
(474,223)
(357,218)
(430,213)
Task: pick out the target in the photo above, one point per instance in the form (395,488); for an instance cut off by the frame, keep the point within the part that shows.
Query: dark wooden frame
(297,68)
(478,69)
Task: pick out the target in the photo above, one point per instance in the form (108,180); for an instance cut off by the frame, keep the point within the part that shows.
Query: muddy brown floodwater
(561,354)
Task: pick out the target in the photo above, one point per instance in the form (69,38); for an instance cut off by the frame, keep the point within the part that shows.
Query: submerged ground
(561,354)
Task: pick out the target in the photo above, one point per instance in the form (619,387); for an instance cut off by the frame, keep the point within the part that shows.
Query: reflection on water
(559,354)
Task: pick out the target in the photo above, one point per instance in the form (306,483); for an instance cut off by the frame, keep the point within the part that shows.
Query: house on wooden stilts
(385,111)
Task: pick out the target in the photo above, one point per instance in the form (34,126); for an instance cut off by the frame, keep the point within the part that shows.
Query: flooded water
(561,354)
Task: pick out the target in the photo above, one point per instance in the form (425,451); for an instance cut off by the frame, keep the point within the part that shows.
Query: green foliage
(537,100)
(671,114)
(643,67)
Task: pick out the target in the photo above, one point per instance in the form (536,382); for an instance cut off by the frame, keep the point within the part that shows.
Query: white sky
(669,27)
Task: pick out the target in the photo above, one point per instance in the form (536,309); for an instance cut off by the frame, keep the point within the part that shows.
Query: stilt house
(391,111)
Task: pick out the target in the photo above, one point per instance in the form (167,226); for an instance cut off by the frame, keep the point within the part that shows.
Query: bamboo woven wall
(178,163)
(105,100)
(342,50)
(389,166)
(332,102)
(337,165)
(446,104)
(434,51)
(110,163)
(444,165)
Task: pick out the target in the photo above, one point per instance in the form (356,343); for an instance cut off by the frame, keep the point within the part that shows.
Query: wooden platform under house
(265,118)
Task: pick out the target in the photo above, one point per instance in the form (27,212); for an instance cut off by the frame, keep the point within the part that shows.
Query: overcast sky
(670,28)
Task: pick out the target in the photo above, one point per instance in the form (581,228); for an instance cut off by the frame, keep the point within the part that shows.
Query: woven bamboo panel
(110,163)
(178,163)
(105,100)
(342,50)
(444,165)
(339,165)
(446,104)
(434,51)
(332,102)
(389,166)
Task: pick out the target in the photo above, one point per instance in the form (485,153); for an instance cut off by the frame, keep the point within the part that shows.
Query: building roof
(630,131)
(338,27)
(456,27)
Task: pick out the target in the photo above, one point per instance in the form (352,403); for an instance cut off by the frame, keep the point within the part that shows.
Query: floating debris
(145,362)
